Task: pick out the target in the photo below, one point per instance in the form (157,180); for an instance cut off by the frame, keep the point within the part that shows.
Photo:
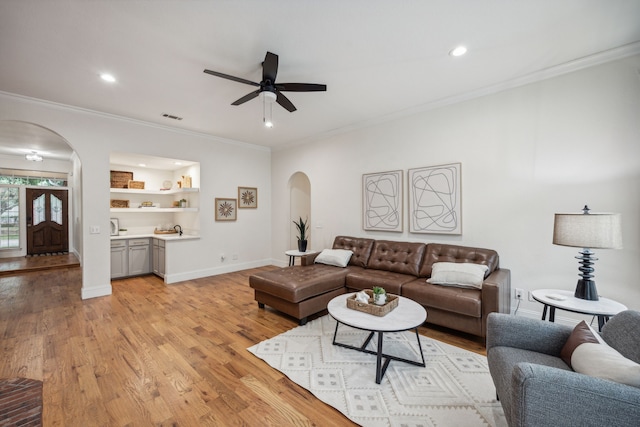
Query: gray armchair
(536,388)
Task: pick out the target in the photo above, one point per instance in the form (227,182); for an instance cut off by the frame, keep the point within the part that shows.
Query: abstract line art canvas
(434,199)
(382,201)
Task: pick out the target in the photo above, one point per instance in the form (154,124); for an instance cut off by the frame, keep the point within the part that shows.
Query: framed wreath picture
(226,209)
(247,197)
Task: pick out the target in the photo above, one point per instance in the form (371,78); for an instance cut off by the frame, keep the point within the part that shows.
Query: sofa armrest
(496,295)
(525,333)
(308,259)
(496,291)
(546,396)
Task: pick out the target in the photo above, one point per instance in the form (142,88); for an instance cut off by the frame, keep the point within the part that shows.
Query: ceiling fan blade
(247,97)
(235,79)
(301,87)
(270,67)
(284,101)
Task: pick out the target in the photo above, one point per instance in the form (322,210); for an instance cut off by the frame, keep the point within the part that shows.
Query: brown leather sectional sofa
(402,269)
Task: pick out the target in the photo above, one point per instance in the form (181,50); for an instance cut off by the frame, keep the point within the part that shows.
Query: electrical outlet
(519,293)
(222,257)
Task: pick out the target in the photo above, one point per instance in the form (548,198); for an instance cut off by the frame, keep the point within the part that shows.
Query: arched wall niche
(299,206)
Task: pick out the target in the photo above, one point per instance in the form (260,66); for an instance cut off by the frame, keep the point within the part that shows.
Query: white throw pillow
(588,354)
(602,361)
(336,257)
(461,274)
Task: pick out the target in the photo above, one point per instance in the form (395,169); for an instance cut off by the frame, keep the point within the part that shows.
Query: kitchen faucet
(179,229)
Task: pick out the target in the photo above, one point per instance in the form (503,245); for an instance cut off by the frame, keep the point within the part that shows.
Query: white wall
(526,153)
(224,166)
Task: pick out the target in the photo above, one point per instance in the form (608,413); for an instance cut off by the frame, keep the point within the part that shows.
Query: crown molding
(540,75)
(74,109)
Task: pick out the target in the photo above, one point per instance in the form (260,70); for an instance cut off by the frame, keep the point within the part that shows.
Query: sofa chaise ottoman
(303,290)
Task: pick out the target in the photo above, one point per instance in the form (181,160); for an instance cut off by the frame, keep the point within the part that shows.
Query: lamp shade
(592,230)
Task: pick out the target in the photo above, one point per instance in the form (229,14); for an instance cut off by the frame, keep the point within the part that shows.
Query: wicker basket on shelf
(138,185)
(120,179)
(119,203)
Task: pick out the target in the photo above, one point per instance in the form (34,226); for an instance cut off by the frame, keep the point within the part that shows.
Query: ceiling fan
(268,86)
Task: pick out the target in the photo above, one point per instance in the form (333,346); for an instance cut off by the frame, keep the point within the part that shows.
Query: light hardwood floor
(152,354)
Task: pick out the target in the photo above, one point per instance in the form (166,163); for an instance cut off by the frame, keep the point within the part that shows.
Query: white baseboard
(75,252)
(98,291)
(197,274)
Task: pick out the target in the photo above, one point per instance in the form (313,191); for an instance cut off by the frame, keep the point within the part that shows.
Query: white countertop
(168,237)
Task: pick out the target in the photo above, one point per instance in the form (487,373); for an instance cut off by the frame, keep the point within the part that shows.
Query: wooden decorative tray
(371,308)
(156,231)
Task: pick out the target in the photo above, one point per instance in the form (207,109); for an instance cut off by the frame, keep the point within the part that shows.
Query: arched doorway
(300,206)
(18,138)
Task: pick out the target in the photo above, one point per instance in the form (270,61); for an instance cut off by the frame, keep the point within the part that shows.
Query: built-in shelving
(132,192)
(154,192)
(152,210)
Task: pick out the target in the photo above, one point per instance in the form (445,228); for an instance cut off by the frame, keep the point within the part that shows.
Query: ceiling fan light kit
(268,98)
(34,157)
(270,90)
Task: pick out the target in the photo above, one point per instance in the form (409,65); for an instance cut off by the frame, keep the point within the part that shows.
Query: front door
(47,225)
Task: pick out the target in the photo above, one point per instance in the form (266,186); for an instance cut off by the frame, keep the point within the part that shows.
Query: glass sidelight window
(9,218)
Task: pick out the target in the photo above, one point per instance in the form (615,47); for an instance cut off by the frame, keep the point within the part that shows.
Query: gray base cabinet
(119,259)
(130,257)
(158,257)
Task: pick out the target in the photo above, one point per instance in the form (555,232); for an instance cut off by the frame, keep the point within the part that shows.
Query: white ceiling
(379,58)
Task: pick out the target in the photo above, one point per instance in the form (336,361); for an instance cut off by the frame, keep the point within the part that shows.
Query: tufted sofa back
(361,248)
(437,252)
(398,257)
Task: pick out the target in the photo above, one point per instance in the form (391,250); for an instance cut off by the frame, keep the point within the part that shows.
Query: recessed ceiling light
(177,163)
(458,51)
(142,165)
(108,77)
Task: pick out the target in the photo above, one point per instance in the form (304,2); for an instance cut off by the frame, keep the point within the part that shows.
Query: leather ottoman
(299,291)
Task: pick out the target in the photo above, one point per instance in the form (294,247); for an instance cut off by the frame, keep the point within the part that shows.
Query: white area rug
(454,389)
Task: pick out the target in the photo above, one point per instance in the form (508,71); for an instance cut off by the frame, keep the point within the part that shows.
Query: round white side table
(604,308)
(293,253)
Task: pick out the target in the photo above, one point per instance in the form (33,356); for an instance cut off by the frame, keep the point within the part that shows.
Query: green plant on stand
(379,295)
(303,229)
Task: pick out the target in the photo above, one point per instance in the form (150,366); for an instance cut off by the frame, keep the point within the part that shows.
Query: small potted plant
(379,295)
(122,231)
(303,229)
(183,203)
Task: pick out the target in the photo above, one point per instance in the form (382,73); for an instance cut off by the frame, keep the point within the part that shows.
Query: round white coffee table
(564,300)
(407,315)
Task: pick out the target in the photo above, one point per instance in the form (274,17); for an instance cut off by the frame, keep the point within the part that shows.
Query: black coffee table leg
(381,368)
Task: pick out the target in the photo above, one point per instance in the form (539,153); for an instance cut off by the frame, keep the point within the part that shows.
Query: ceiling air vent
(171,116)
